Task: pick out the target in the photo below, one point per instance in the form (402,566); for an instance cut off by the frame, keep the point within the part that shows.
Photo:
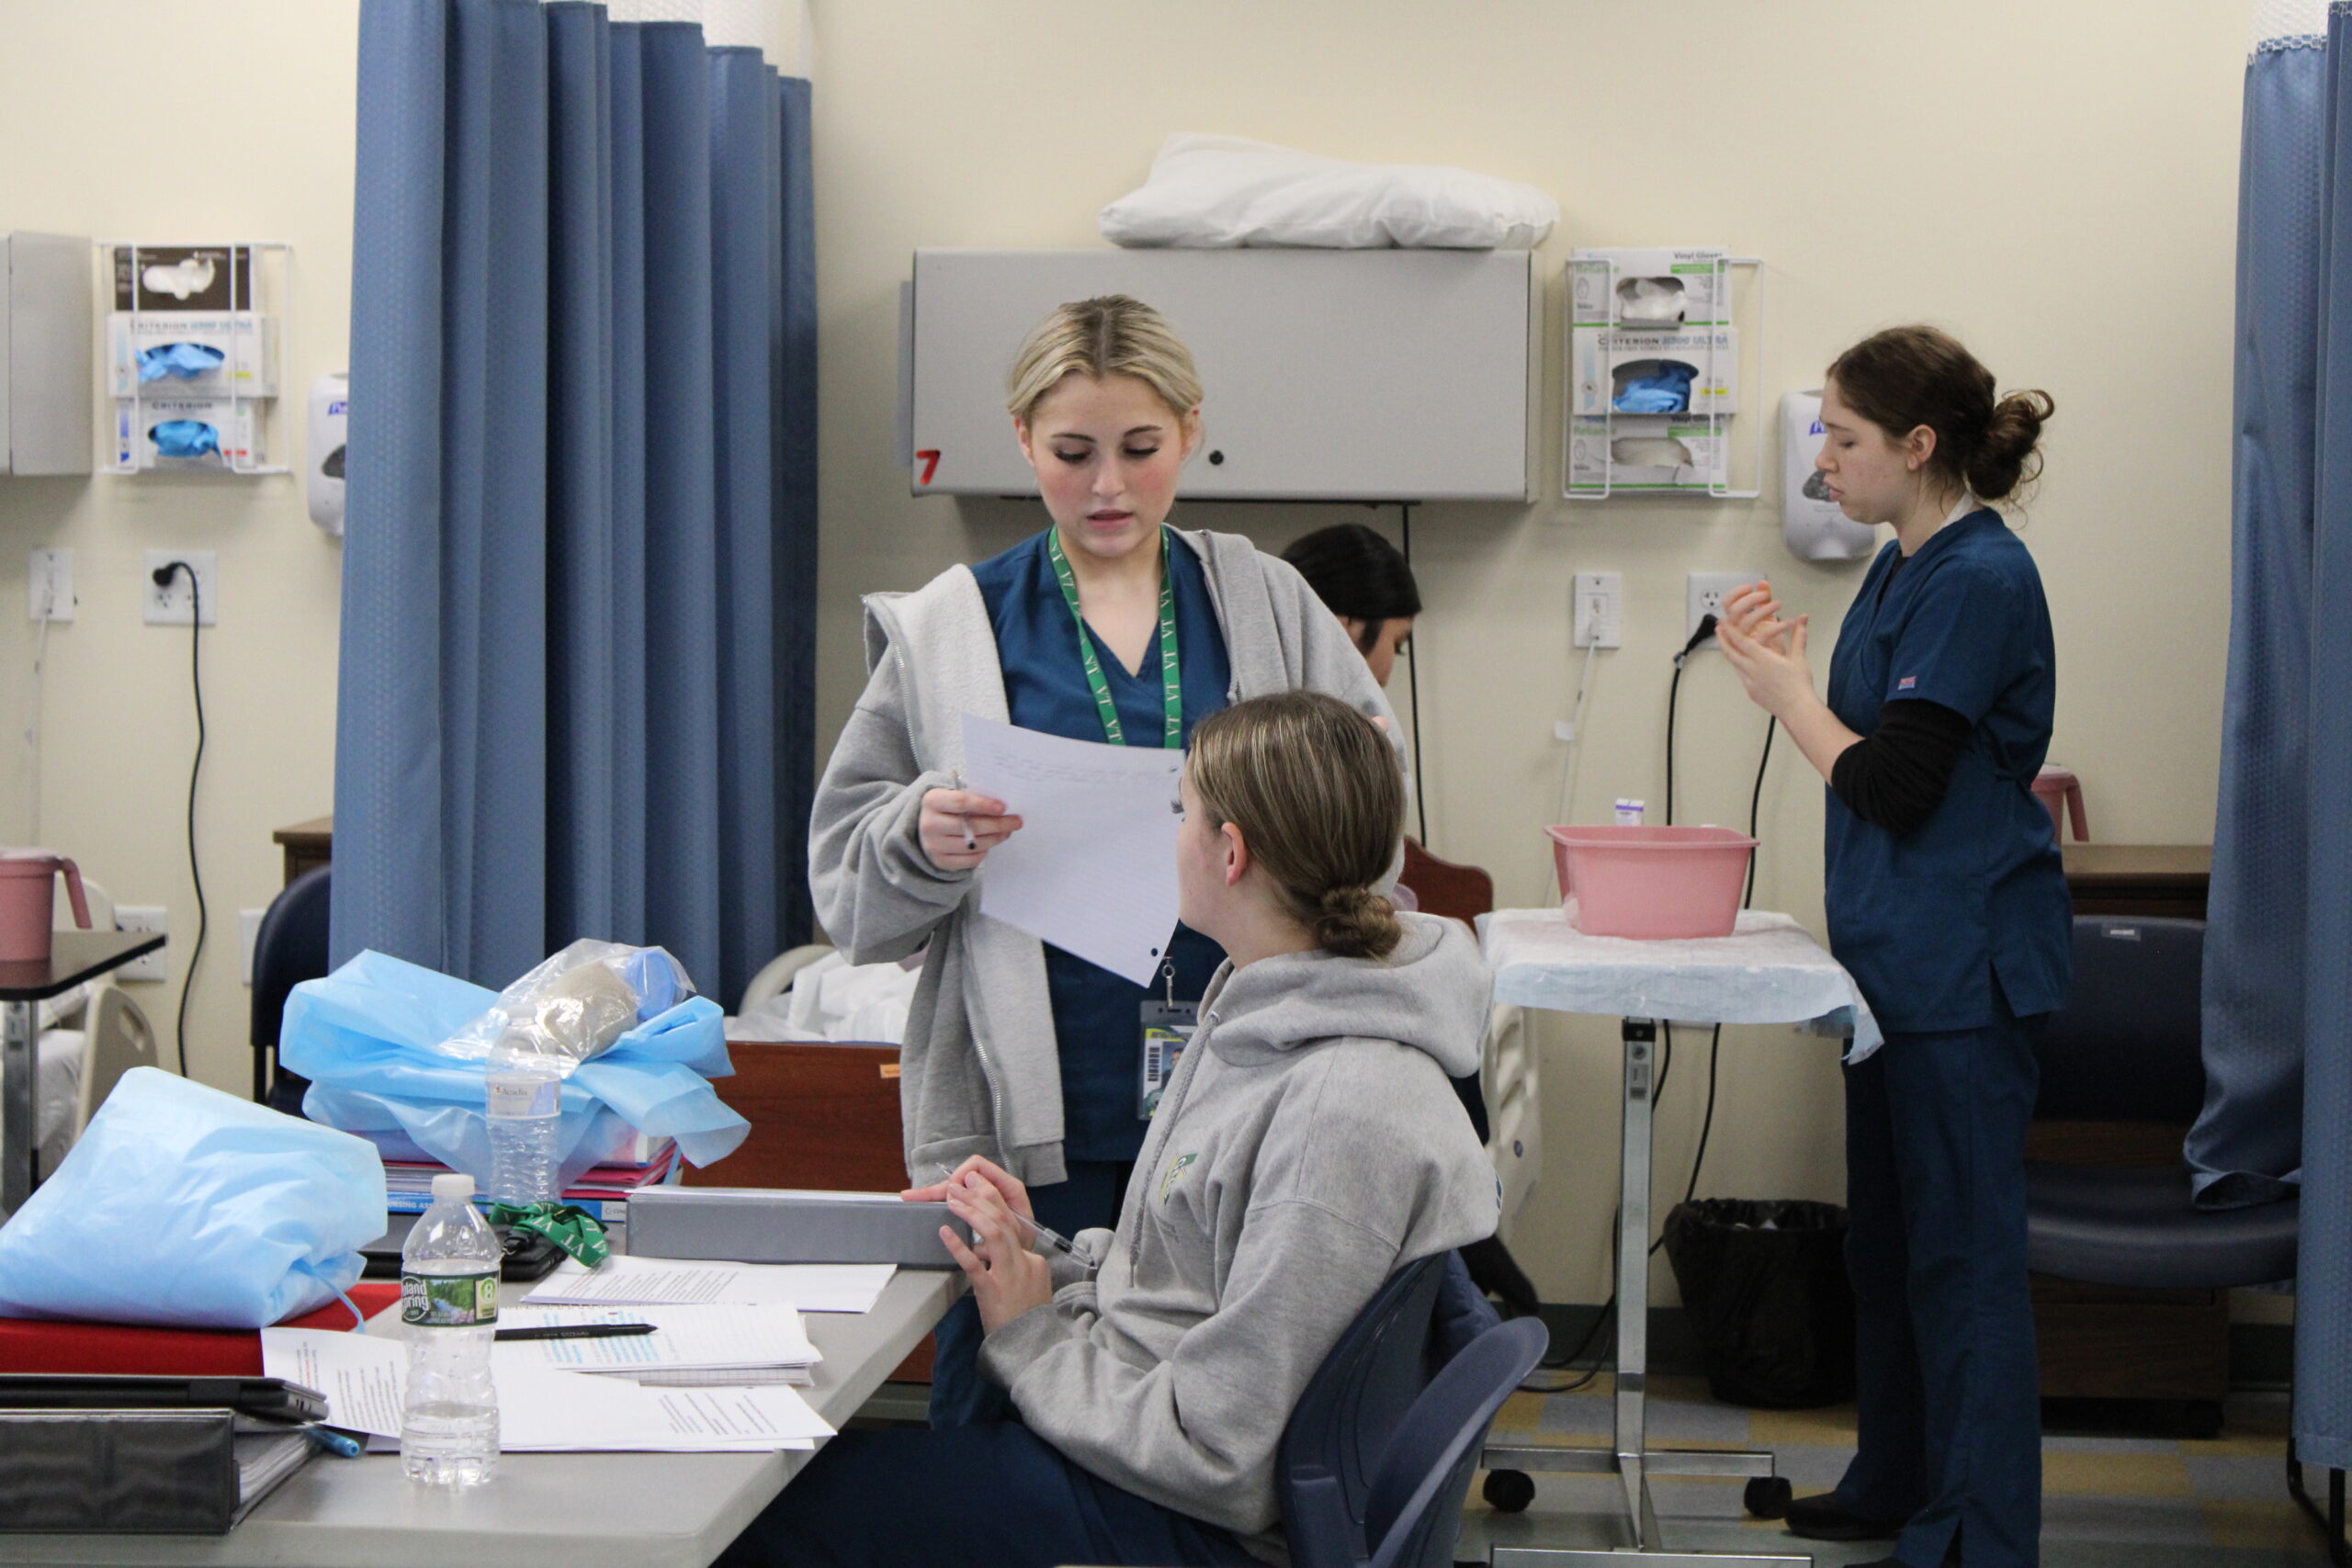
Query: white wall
(130,121)
(2057,183)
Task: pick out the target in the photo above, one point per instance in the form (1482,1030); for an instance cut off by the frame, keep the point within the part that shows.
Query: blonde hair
(1320,798)
(1111,335)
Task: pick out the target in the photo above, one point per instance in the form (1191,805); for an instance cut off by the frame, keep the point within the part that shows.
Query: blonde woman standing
(1111,626)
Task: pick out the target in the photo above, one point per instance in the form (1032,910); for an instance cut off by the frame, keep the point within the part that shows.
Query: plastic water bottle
(449,1309)
(525,1108)
(1629,813)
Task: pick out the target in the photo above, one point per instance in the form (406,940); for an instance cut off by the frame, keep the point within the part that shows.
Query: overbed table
(74,957)
(1768,971)
(544,1510)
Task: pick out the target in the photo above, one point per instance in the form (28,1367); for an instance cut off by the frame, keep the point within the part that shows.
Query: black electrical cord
(163,577)
(1413,684)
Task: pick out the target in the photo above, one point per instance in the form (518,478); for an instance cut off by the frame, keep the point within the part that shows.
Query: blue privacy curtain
(2279,951)
(579,564)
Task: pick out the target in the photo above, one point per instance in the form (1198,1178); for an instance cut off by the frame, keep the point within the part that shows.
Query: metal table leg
(16,1095)
(1630,1456)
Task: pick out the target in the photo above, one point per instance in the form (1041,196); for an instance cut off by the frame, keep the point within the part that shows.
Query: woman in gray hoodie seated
(1305,1149)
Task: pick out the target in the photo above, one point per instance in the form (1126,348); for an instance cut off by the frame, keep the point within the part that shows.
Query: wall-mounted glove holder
(1654,366)
(190,355)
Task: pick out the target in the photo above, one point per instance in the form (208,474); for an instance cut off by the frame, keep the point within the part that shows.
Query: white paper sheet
(697,1337)
(1093,868)
(543,1410)
(659,1281)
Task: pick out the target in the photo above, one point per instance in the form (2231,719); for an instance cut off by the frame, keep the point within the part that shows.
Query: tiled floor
(2108,1502)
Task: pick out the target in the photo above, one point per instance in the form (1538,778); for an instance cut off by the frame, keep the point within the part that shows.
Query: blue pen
(334,1442)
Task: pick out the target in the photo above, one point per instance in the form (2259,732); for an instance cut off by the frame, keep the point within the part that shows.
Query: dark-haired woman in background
(1947,904)
(1364,581)
(1367,583)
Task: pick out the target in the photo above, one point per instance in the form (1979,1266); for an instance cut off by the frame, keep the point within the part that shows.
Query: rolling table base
(1629,1458)
(22,1032)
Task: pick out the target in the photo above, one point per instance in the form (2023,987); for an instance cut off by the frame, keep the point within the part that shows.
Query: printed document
(1093,868)
(622,1280)
(544,1410)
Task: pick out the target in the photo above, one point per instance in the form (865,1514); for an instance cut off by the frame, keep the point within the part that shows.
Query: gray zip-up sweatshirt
(1308,1147)
(980,1072)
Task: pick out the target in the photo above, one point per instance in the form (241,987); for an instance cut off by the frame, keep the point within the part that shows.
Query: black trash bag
(1764,1284)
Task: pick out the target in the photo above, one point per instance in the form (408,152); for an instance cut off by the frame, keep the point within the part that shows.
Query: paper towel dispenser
(1389,375)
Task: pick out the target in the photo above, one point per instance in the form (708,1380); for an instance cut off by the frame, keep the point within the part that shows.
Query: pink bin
(1652,882)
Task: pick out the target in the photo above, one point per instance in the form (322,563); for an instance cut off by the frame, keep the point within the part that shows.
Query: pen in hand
(970,842)
(576,1331)
(1045,1234)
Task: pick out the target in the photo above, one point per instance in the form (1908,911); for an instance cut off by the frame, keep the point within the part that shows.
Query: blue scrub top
(1927,921)
(1098,1016)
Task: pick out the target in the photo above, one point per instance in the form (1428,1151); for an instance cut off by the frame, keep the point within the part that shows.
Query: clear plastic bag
(184,1206)
(573,1007)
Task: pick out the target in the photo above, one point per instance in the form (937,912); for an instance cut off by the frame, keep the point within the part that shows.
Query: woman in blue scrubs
(1110,625)
(1947,902)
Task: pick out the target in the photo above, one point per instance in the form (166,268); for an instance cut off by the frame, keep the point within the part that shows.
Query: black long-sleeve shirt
(1895,778)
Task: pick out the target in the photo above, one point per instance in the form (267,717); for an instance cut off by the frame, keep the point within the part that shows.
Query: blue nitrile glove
(1669,391)
(181,361)
(186,438)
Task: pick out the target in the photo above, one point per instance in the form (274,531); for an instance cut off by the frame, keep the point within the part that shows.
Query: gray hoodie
(1308,1147)
(980,1072)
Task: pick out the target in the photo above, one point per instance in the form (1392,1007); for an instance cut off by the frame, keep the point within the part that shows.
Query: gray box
(47,345)
(768,1224)
(1393,375)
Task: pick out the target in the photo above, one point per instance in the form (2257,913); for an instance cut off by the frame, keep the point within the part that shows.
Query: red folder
(32,1345)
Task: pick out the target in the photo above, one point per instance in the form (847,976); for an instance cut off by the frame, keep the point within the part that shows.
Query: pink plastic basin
(1652,882)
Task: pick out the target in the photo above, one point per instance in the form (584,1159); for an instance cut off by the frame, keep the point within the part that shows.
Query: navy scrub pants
(1947,1381)
(959,1394)
(993,1495)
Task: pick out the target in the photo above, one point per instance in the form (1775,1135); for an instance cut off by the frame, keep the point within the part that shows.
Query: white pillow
(1214,192)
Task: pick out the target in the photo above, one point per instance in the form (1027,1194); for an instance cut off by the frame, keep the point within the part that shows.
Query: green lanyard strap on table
(1172,680)
(565,1224)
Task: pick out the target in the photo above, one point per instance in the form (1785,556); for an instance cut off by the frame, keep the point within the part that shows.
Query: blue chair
(1377,1460)
(290,947)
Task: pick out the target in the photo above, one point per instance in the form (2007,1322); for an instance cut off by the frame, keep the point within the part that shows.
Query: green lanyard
(1171,681)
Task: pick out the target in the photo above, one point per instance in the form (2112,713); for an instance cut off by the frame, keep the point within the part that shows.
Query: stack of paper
(622,1280)
(691,1346)
(545,1411)
(603,1190)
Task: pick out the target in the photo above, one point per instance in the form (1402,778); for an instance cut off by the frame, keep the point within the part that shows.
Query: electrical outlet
(49,586)
(154,966)
(1599,619)
(1705,594)
(170,604)
(248,938)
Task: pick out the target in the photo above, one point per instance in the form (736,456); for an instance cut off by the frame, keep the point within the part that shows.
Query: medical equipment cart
(1768,971)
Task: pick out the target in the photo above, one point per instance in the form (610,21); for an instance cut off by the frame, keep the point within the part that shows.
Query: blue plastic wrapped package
(186,438)
(179,361)
(187,1207)
(1667,391)
(392,1054)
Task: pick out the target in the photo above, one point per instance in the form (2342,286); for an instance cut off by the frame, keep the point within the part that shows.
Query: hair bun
(1356,922)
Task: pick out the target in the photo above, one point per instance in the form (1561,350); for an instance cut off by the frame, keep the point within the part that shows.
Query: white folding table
(589,1510)
(1768,971)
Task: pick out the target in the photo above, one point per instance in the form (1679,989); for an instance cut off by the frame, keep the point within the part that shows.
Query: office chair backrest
(120,1038)
(1416,1495)
(2126,1046)
(1351,1494)
(290,948)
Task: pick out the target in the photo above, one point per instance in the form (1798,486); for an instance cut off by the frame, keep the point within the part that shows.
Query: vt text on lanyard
(1168,1026)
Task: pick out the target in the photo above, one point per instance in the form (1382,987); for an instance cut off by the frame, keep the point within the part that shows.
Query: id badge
(1168,1028)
